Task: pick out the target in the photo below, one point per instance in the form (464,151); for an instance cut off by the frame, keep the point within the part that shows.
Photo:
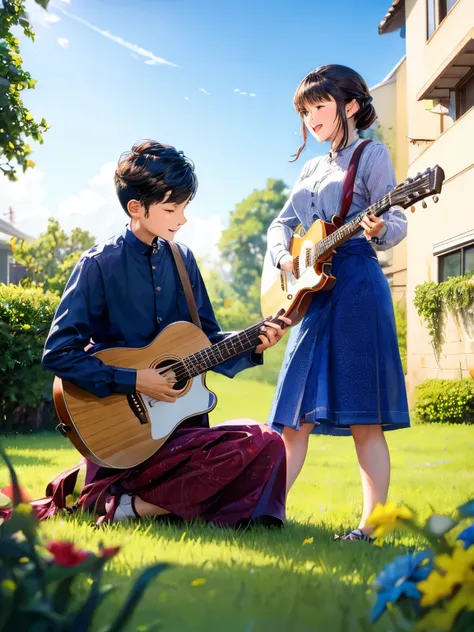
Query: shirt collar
(137,244)
(335,154)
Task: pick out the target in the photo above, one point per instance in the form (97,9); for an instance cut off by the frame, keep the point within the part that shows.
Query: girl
(342,372)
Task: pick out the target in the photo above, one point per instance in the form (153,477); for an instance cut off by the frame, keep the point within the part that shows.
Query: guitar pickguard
(165,416)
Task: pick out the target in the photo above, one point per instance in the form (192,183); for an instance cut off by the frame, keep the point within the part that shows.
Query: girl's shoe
(357,534)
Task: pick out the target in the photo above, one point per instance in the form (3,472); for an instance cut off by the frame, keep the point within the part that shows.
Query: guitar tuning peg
(424,204)
(412,209)
(435,199)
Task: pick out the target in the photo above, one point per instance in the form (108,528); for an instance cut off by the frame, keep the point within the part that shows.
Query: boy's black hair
(149,171)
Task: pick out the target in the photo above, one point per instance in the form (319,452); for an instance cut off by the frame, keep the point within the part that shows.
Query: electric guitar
(290,293)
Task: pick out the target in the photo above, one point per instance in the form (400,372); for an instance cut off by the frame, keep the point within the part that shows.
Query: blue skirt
(342,365)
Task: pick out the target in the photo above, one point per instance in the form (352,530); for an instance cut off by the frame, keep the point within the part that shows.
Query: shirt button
(159,319)
(158,289)
(153,267)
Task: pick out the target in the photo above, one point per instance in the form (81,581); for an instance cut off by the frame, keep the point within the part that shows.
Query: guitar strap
(186,283)
(348,186)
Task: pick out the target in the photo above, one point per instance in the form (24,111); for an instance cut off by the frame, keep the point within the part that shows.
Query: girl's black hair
(342,84)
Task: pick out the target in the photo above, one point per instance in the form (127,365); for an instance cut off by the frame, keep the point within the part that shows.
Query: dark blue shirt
(123,292)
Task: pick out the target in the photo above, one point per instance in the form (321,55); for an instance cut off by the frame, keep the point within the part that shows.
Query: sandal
(357,534)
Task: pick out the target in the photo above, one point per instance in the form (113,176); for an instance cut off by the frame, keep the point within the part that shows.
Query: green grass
(259,581)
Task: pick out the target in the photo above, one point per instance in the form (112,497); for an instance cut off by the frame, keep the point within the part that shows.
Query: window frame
(461,250)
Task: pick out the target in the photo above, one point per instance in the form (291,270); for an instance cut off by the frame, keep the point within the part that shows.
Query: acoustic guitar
(121,431)
(290,293)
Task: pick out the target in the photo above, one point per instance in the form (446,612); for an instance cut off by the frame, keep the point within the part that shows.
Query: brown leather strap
(186,283)
(348,186)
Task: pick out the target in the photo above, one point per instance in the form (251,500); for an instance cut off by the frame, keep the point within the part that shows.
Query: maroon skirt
(230,474)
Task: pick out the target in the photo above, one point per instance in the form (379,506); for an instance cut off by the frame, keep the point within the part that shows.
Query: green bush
(445,401)
(401,322)
(25,387)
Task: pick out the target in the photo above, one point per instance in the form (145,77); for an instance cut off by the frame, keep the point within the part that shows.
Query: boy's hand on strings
(286,263)
(157,385)
(372,225)
(271,334)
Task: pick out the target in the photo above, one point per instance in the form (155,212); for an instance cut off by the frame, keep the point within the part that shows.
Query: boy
(123,293)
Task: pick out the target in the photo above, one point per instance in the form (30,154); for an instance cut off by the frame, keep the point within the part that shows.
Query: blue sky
(113,71)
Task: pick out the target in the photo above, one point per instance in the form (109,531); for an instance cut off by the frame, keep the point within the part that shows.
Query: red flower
(109,551)
(65,554)
(8,491)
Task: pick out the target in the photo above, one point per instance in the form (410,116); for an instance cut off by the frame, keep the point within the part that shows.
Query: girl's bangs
(311,91)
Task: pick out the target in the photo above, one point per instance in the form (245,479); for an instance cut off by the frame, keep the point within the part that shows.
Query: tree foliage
(51,259)
(16,122)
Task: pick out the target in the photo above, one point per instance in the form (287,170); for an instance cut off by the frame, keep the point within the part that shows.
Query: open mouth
(317,128)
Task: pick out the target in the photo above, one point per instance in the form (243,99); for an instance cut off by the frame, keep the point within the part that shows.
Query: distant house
(10,272)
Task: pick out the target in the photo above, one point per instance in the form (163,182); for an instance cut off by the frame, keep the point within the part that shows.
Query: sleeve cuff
(380,238)
(125,380)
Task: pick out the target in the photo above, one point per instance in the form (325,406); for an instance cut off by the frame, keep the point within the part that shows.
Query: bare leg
(374,461)
(296,445)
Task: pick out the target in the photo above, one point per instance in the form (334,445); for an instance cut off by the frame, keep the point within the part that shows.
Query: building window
(465,95)
(456,263)
(437,10)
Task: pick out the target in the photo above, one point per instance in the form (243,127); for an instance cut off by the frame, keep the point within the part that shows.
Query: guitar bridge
(137,408)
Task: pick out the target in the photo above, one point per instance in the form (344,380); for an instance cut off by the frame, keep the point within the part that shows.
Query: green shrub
(401,322)
(445,401)
(25,387)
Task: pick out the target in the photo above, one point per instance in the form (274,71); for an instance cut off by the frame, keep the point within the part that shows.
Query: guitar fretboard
(216,354)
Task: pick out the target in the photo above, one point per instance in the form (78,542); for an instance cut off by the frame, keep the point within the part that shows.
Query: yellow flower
(8,585)
(31,164)
(385,518)
(443,619)
(458,567)
(308,540)
(200,581)
(434,588)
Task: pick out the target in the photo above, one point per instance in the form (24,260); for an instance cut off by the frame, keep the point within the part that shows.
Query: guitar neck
(352,227)
(216,354)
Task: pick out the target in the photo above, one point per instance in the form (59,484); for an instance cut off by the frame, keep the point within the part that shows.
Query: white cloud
(66,1)
(52,18)
(94,208)
(38,16)
(186,98)
(151,57)
(202,235)
(245,94)
(205,91)
(63,42)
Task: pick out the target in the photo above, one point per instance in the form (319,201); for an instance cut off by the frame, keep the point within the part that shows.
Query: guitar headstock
(413,190)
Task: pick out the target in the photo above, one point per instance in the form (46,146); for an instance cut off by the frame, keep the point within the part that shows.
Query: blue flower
(400,578)
(467,536)
(467,510)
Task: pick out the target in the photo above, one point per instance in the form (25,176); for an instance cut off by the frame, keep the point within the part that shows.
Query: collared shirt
(123,292)
(318,191)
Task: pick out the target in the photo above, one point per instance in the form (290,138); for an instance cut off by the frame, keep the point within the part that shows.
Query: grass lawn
(259,581)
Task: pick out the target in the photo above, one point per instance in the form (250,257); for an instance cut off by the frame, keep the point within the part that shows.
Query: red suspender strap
(348,186)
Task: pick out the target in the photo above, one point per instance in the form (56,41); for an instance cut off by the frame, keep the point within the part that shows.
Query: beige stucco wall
(451,216)
(453,150)
(390,102)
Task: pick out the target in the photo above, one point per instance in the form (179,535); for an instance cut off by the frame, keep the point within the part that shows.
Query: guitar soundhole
(180,384)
